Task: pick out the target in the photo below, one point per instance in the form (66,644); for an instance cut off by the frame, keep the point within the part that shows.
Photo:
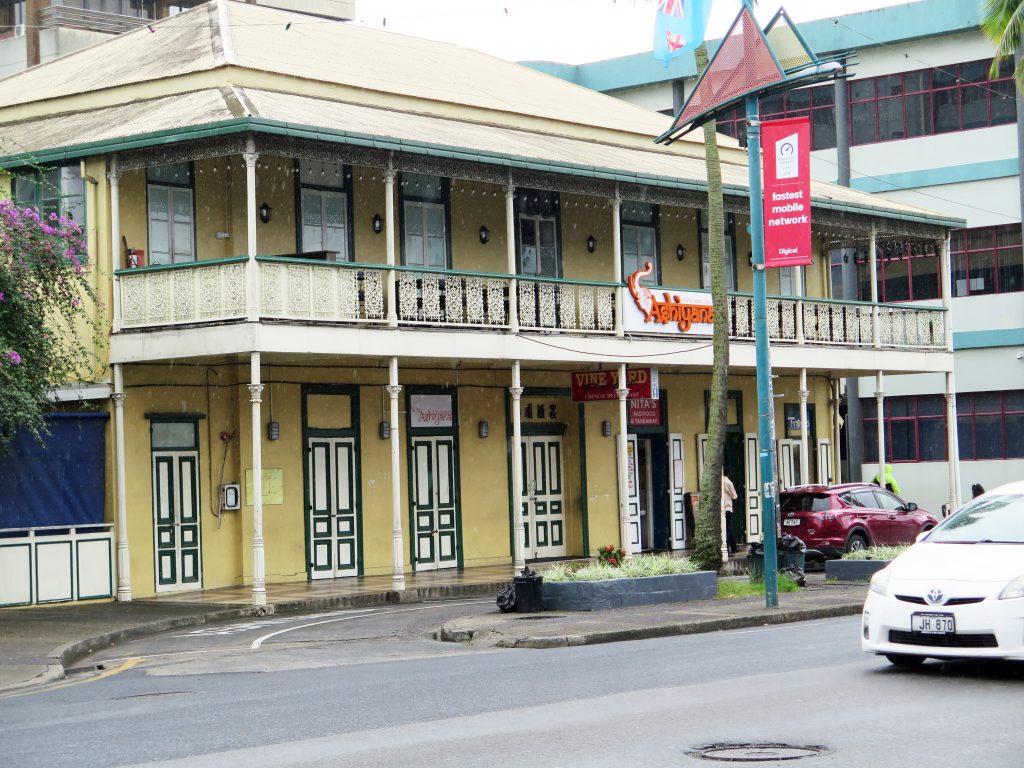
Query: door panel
(176,521)
(543,504)
(633,492)
(752,494)
(435,515)
(825,461)
(332,517)
(676,483)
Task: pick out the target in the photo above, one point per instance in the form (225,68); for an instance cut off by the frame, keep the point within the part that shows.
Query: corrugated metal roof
(359,123)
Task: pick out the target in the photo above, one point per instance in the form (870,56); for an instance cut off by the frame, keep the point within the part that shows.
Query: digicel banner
(787,192)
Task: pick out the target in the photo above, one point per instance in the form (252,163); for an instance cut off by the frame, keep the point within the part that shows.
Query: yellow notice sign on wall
(273,486)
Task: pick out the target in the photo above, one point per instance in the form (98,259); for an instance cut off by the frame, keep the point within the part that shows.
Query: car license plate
(791,521)
(933,623)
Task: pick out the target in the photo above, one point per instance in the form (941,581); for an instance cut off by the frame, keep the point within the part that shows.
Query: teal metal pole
(765,403)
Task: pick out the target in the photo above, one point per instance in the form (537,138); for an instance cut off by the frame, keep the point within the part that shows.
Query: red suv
(845,518)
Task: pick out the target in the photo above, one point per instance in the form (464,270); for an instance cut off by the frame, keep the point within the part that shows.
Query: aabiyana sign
(648,311)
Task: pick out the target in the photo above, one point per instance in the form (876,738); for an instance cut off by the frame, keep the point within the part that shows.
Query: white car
(958,593)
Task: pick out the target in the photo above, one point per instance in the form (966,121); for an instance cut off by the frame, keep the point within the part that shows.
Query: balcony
(307,291)
(57,16)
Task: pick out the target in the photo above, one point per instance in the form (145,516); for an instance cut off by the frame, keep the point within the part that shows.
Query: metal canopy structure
(751,61)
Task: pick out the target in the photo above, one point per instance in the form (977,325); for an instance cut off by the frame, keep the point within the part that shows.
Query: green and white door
(543,500)
(434,502)
(678,534)
(333,514)
(176,524)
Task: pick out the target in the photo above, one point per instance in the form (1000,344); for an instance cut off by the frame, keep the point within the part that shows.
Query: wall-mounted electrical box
(230,497)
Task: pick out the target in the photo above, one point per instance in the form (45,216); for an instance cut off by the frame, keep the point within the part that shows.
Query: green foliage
(611,555)
(635,567)
(1003,22)
(43,312)
(745,588)
(877,553)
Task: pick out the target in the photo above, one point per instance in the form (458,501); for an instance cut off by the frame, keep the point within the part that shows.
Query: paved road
(322,696)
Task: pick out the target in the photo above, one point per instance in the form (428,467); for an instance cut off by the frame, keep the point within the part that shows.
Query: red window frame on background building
(907,271)
(990,425)
(915,428)
(987,260)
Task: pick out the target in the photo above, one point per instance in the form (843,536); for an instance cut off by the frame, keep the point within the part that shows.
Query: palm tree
(1003,22)
(707,536)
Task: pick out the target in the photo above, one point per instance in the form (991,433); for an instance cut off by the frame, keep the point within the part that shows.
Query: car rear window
(805,502)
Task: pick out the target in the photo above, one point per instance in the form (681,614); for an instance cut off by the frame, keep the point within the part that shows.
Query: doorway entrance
(177,538)
(655,477)
(543,499)
(734,462)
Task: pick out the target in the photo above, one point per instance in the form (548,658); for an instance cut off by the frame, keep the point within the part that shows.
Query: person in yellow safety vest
(890,481)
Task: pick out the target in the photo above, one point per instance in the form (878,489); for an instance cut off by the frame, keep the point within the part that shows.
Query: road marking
(260,640)
(245,626)
(131,662)
(144,657)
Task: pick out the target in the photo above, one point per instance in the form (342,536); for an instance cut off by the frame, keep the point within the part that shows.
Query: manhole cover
(537,618)
(756,753)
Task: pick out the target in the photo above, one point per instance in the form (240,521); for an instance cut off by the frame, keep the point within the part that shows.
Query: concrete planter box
(853,570)
(621,593)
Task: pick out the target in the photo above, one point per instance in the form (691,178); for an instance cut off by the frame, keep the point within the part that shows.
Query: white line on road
(260,640)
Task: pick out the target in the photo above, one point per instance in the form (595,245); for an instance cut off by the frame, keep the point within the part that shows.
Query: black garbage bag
(507,598)
(790,543)
(756,548)
(796,574)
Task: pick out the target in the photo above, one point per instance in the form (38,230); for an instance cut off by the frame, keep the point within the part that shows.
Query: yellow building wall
(474,205)
(679,227)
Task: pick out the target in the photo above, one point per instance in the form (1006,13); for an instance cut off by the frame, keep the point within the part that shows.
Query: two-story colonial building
(378,286)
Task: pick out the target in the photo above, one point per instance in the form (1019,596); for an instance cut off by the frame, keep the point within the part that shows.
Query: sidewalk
(37,644)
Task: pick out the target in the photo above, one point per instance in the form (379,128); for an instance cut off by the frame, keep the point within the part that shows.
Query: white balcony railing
(305,290)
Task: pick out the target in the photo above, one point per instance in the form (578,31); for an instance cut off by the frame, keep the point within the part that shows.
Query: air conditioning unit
(230,497)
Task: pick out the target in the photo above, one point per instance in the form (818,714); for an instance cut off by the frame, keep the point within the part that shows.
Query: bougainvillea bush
(47,327)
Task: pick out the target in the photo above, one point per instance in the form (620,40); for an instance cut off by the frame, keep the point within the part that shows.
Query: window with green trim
(171,213)
(640,240)
(53,190)
(426,210)
(325,202)
(537,216)
(730,251)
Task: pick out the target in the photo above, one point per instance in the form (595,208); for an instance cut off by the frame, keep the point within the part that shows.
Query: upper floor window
(926,102)
(906,271)
(325,209)
(990,425)
(53,190)
(171,213)
(425,216)
(818,103)
(730,251)
(915,428)
(987,260)
(640,240)
(537,233)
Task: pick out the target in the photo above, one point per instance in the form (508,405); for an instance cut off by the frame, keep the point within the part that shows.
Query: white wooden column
(114,180)
(622,461)
(397,547)
(389,233)
(880,408)
(953,446)
(617,253)
(798,287)
(946,278)
(124,575)
(805,467)
(876,331)
(259,570)
(252,283)
(518,532)
(510,262)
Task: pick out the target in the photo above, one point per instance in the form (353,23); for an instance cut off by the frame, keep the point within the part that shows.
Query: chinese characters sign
(787,192)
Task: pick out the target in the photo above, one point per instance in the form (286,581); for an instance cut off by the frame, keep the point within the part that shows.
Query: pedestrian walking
(890,481)
(728,496)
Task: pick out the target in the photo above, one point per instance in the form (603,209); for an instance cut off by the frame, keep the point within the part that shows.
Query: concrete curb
(494,638)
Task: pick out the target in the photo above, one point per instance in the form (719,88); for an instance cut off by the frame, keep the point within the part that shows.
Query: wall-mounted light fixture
(265,213)
(378,224)
(385,430)
(680,252)
(591,244)
(485,234)
(273,430)
(606,428)
(483,429)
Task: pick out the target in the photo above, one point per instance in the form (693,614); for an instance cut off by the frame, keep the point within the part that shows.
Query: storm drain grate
(537,618)
(756,753)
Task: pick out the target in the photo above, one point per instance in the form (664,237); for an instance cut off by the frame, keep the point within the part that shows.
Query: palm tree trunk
(707,538)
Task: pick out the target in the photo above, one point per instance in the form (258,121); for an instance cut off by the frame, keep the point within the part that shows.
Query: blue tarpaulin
(59,483)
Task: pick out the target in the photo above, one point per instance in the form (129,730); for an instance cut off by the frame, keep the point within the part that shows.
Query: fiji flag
(679,26)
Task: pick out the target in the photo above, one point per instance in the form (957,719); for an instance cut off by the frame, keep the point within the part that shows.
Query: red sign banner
(588,386)
(787,192)
(644,413)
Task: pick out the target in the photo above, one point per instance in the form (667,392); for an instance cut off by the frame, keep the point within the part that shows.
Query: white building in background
(923,125)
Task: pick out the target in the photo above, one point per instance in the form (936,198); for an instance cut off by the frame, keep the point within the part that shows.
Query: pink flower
(14,357)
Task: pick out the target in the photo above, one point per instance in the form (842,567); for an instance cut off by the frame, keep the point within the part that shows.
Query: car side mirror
(911,506)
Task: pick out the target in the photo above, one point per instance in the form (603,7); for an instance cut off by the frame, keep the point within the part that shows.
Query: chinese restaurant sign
(681,312)
(588,386)
(787,192)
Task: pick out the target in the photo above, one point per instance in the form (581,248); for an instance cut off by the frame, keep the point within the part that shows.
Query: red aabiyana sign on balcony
(787,192)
